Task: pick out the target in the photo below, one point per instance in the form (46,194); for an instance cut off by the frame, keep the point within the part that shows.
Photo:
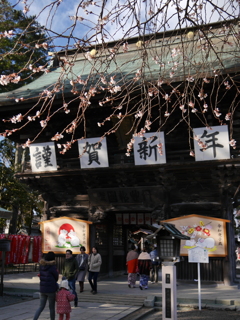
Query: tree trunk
(13,222)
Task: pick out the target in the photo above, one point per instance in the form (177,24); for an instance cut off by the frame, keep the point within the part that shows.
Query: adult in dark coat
(82,260)
(48,284)
(69,272)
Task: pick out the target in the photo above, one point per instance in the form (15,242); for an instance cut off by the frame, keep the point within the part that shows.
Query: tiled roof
(158,58)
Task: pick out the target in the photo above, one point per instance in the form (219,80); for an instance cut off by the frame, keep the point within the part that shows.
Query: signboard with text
(198,255)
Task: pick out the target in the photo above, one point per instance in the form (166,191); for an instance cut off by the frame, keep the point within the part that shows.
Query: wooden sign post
(198,255)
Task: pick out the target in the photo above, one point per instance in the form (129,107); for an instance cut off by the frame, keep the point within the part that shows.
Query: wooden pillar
(110,250)
(92,236)
(230,261)
(229,265)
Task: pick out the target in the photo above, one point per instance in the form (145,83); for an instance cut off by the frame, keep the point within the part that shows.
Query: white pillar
(169,291)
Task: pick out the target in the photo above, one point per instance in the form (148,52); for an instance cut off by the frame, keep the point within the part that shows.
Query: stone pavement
(103,306)
(25,311)
(204,314)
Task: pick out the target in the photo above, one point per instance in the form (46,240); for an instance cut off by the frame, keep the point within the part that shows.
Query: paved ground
(200,315)
(28,283)
(91,311)
(7,300)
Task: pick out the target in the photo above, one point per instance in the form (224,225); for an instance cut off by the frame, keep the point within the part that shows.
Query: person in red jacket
(63,298)
(132,264)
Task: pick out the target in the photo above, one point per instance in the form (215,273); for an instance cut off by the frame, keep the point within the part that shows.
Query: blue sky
(57,17)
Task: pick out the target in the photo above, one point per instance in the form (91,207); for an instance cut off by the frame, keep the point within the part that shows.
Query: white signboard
(93,153)
(211,144)
(149,149)
(198,255)
(43,157)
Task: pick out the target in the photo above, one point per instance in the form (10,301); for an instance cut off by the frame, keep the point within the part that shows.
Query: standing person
(82,260)
(155,265)
(144,266)
(63,298)
(132,265)
(48,284)
(69,272)
(94,263)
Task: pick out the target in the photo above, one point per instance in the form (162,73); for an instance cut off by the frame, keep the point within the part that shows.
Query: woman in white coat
(82,260)
(94,263)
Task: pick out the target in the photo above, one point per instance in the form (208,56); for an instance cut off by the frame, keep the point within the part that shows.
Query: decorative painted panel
(65,233)
(205,232)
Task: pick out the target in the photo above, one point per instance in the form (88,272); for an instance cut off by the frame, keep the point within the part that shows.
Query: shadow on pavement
(7,300)
(204,314)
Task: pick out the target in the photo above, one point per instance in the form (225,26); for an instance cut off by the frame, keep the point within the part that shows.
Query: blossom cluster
(197,230)
(6,79)
(7,34)
(158,72)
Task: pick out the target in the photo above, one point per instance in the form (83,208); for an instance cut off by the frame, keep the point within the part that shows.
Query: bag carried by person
(81,268)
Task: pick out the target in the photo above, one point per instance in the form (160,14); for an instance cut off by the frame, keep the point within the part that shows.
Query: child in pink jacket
(63,298)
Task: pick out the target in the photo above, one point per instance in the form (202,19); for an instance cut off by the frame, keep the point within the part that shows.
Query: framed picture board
(64,233)
(204,232)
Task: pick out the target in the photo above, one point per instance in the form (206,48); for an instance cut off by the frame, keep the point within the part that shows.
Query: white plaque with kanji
(93,153)
(211,143)
(43,157)
(149,149)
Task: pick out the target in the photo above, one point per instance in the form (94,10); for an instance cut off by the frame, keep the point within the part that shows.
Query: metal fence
(19,268)
(32,266)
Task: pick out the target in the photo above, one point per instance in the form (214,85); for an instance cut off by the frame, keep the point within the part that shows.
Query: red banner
(37,249)
(25,250)
(19,251)
(34,250)
(14,249)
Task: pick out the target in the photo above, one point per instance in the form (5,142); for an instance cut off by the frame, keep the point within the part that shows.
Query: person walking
(63,298)
(70,270)
(132,265)
(144,266)
(82,260)
(48,284)
(94,263)
(155,265)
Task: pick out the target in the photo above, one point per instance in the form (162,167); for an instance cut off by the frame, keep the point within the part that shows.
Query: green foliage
(14,195)
(17,52)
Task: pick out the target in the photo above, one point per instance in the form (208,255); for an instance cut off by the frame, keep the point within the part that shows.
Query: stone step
(142,313)
(112,299)
(224,304)
(227,302)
